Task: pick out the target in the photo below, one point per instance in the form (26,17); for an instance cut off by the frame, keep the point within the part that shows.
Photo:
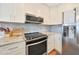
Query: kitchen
(19,23)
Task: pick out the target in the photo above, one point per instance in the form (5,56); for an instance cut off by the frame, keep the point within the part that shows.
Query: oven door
(37,48)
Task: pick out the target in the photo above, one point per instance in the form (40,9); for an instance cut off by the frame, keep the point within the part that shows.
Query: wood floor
(53,52)
(69,49)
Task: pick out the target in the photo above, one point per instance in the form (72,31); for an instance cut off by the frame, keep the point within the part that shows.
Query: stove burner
(30,36)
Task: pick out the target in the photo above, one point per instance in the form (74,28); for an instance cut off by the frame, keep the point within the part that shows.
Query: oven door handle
(37,42)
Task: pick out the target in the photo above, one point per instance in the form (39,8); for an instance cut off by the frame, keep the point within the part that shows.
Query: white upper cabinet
(39,10)
(53,15)
(18,15)
(30,8)
(5,12)
(12,12)
(34,9)
(15,12)
(56,15)
(69,17)
(45,13)
(60,15)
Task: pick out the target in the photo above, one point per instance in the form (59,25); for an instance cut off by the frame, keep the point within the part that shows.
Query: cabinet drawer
(19,51)
(12,48)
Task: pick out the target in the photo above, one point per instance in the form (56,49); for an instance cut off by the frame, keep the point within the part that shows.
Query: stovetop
(30,36)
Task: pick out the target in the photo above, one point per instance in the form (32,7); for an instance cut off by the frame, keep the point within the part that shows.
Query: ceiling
(52,4)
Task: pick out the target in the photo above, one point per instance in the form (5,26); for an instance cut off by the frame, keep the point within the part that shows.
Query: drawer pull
(13,48)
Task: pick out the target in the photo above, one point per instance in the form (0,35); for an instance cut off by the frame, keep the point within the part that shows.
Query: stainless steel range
(36,43)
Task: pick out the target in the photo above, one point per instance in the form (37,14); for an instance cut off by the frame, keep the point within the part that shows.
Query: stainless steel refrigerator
(70,40)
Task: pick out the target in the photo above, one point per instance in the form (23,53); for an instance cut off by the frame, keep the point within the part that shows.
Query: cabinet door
(59,16)
(43,11)
(30,8)
(50,43)
(5,12)
(46,15)
(34,9)
(69,17)
(13,49)
(18,15)
(58,42)
(54,15)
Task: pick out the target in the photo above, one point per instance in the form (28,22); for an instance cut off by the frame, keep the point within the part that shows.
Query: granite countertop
(48,33)
(8,40)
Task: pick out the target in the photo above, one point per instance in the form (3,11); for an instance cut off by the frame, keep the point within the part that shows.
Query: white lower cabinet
(55,42)
(13,49)
(50,43)
(58,42)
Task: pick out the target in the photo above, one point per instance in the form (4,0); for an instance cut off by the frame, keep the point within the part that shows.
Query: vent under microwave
(33,19)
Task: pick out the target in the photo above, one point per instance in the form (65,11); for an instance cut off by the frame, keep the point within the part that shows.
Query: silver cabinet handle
(12,48)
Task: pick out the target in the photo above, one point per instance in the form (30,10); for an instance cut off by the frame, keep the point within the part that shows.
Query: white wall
(56,12)
(66,7)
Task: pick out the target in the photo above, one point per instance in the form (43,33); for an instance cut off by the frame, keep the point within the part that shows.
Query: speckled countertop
(8,40)
(48,33)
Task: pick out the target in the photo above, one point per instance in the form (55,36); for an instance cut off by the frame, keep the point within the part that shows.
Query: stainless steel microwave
(33,19)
